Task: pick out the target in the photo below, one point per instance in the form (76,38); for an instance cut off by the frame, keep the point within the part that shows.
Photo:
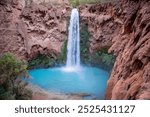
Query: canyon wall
(101,24)
(27,30)
(125,26)
(130,77)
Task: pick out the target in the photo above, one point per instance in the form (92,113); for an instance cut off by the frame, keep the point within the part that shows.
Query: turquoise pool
(88,80)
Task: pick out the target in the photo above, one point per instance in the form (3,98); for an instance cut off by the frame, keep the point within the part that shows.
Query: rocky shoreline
(41,94)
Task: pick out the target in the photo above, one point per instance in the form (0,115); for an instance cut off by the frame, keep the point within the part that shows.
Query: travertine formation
(45,27)
(29,30)
(101,25)
(130,77)
(125,26)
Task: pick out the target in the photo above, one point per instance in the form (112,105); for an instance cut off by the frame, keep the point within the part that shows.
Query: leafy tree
(11,73)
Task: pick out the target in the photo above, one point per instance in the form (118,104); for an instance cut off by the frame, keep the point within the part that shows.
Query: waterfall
(73,46)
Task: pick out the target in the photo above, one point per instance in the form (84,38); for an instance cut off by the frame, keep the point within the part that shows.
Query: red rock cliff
(125,26)
(101,24)
(27,30)
(130,77)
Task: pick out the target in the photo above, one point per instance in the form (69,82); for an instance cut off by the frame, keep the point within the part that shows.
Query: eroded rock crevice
(132,56)
(32,29)
(101,25)
(123,25)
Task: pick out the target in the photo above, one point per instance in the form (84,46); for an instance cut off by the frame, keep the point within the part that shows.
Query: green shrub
(11,71)
(100,58)
(84,43)
(75,3)
(103,59)
(63,55)
(42,60)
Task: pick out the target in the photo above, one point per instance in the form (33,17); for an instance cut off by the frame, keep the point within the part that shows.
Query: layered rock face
(46,28)
(130,77)
(101,25)
(29,30)
(125,26)
(9,39)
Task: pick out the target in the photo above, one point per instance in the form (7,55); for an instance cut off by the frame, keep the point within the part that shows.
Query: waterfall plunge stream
(73,47)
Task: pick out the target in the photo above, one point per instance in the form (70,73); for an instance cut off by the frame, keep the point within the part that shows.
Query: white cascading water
(73,46)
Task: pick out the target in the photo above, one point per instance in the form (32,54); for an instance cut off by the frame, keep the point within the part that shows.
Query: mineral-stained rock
(101,25)
(44,27)
(130,78)
(32,29)
(125,26)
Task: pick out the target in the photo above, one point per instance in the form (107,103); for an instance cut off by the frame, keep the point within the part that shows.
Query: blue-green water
(79,80)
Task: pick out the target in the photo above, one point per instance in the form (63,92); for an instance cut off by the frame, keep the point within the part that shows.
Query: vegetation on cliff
(63,55)
(78,2)
(49,60)
(11,72)
(100,58)
(42,61)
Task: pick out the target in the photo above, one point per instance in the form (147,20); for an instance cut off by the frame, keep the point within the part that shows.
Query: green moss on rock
(63,54)
(100,58)
(42,61)
(75,3)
